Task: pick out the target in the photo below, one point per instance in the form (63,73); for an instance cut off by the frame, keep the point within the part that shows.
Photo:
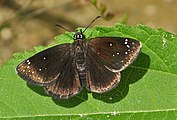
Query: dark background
(28,23)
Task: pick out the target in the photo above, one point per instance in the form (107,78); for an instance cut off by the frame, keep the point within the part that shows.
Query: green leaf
(148,88)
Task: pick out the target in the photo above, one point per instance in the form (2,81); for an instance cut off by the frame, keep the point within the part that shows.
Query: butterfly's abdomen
(80,58)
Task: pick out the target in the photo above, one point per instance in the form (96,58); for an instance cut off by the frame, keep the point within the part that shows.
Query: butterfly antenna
(57,25)
(91,23)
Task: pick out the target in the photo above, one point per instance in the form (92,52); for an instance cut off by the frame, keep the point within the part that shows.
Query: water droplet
(110,98)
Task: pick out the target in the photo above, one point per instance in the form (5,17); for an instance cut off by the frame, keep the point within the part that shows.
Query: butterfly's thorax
(80,57)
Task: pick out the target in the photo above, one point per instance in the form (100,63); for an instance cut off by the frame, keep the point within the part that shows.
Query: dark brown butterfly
(64,69)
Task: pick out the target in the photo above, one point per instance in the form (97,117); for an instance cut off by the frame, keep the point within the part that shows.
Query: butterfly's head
(79,35)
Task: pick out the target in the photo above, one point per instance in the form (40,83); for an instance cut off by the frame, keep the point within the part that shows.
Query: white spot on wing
(128,46)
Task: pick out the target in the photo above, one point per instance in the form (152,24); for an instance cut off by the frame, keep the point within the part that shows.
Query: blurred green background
(28,23)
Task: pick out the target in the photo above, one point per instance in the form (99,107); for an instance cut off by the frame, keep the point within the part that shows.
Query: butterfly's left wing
(106,57)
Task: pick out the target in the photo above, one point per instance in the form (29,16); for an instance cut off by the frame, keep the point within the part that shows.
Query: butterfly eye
(79,35)
(75,37)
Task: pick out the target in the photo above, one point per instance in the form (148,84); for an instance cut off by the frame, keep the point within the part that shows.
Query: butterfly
(96,63)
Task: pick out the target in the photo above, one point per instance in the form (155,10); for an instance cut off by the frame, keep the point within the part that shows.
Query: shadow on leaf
(37,89)
(74,101)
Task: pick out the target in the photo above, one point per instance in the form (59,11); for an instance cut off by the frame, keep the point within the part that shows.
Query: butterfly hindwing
(46,66)
(99,78)
(67,84)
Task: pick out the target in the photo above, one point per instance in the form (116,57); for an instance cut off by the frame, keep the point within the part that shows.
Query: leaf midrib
(87,114)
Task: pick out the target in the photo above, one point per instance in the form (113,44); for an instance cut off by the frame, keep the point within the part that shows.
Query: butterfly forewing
(115,53)
(46,66)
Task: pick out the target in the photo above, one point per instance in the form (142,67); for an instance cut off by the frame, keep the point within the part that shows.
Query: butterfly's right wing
(46,66)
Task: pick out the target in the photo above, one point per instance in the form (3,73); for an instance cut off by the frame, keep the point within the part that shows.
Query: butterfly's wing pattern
(107,56)
(53,68)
